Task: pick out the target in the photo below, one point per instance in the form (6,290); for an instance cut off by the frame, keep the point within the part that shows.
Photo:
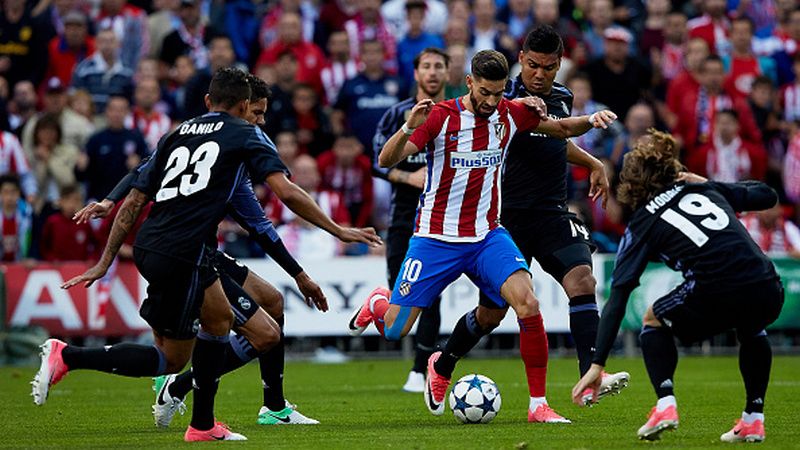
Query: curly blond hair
(647,169)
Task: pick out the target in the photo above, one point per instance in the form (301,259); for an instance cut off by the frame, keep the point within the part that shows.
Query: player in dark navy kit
(257,335)
(408,179)
(690,224)
(191,178)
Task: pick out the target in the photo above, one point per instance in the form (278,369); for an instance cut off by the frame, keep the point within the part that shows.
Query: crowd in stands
(87,88)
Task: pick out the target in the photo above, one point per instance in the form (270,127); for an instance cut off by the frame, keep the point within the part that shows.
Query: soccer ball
(475,399)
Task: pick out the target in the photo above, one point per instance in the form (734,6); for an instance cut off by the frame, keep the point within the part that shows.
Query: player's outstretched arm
(598,180)
(123,223)
(576,126)
(304,206)
(398,147)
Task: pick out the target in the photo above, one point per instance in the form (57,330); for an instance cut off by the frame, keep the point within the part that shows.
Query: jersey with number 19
(192,177)
(465,152)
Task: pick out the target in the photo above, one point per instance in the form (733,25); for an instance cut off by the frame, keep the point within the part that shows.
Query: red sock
(533,348)
(379,308)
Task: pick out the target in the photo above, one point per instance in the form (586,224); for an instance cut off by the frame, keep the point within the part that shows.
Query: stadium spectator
(742,65)
(340,68)
(270,32)
(762,103)
(23,106)
(13,162)
(75,129)
(363,99)
(22,43)
(179,76)
(110,153)
(303,240)
(774,235)
(146,117)
(68,48)
(518,16)
(763,14)
(783,47)
(306,118)
(15,225)
(395,13)
(546,12)
(489,34)
(279,112)
(368,25)
(346,170)
(334,14)
(286,144)
(310,58)
(697,110)
(727,157)
(189,38)
(129,24)
(52,160)
(456,84)
(415,40)
(618,80)
(687,81)
(713,26)
(638,121)
(80,101)
(103,74)
(220,54)
(241,26)
(62,239)
(600,17)
(162,21)
(790,95)
(663,40)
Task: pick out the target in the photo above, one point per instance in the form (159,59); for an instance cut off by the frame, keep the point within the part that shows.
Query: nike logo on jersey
(453,137)
(522,260)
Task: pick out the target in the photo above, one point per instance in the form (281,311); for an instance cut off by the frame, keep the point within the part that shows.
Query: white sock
(666,402)
(536,401)
(752,417)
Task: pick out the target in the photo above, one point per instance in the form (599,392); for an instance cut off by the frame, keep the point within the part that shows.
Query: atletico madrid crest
(500,130)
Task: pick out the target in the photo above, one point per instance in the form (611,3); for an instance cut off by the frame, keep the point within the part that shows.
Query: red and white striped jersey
(461,199)
(152,126)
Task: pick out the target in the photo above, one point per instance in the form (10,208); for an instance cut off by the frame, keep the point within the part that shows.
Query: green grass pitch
(361,406)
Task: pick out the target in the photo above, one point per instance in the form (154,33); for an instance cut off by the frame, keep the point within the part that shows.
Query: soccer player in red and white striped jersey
(457,228)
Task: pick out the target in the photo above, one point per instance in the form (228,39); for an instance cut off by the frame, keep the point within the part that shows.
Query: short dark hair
(432,51)
(746,19)
(762,80)
(490,65)
(68,190)
(711,58)
(48,121)
(416,4)
(228,87)
(730,112)
(258,88)
(12,179)
(544,39)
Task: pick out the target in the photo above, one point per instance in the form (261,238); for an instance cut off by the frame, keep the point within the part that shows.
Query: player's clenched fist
(602,119)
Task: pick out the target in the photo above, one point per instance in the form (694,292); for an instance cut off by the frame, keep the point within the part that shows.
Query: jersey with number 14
(465,152)
(193,175)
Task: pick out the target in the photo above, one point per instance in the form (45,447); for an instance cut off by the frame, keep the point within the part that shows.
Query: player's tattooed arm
(123,223)
(598,180)
(398,147)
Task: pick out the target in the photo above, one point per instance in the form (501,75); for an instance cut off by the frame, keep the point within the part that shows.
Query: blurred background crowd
(87,88)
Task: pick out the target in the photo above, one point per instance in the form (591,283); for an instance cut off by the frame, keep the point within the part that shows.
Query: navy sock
(240,352)
(131,360)
(465,337)
(271,364)
(207,361)
(583,322)
(427,332)
(755,360)
(660,358)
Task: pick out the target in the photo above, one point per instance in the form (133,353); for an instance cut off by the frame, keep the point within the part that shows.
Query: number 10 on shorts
(411,270)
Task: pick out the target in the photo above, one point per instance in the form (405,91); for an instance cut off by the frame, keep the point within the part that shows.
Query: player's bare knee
(274,306)
(266,338)
(489,319)
(579,281)
(529,307)
(650,319)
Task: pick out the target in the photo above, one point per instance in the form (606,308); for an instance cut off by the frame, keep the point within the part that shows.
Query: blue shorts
(431,265)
